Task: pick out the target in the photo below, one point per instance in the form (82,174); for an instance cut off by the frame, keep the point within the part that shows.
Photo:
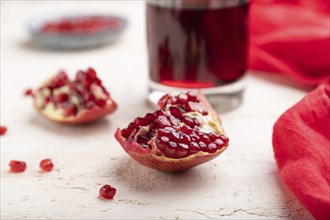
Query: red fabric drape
(292,37)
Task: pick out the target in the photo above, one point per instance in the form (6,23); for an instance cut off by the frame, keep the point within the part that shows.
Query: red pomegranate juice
(196,48)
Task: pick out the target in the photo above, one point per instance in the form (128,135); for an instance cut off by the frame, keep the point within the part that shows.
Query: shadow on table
(142,179)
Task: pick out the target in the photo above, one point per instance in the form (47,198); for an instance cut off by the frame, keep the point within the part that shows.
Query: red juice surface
(196,48)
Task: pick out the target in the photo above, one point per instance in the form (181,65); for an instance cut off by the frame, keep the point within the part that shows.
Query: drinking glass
(198,44)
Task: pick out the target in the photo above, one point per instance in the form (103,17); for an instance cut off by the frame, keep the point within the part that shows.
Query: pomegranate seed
(194,137)
(62,97)
(138,122)
(212,136)
(206,139)
(46,165)
(170,129)
(3,130)
(212,148)
(142,140)
(164,139)
(163,101)
(125,133)
(162,142)
(186,130)
(194,147)
(174,136)
(196,107)
(69,109)
(184,138)
(170,149)
(225,139)
(59,80)
(182,109)
(174,121)
(175,112)
(182,99)
(202,145)
(163,132)
(192,96)
(91,74)
(100,102)
(219,143)
(182,150)
(17,166)
(107,192)
(191,122)
(149,118)
(28,92)
(162,121)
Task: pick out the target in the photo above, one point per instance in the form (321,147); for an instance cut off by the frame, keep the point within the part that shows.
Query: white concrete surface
(243,183)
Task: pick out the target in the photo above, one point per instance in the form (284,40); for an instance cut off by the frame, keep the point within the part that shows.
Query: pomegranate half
(184,132)
(81,100)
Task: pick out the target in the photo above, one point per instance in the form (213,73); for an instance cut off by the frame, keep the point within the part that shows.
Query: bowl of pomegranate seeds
(76,31)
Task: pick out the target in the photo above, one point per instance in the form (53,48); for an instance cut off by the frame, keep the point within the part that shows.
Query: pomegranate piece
(183,133)
(17,166)
(3,130)
(107,192)
(46,165)
(77,101)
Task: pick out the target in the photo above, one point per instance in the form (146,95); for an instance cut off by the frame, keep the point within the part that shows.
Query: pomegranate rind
(83,117)
(149,158)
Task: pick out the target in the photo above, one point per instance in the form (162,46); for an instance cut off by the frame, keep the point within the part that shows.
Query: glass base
(222,98)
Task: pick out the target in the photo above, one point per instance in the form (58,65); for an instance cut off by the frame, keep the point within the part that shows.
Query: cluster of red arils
(184,132)
(80,25)
(81,100)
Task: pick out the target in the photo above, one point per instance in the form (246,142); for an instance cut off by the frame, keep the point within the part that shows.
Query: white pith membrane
(208,124)
(56,112)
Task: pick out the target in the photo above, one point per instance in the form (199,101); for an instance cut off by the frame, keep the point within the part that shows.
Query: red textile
(301,141)
(291,37)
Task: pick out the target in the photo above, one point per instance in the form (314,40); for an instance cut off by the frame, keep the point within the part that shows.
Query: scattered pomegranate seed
(107,192)
(46,165)
(28,92)
(3,130)
(17,166)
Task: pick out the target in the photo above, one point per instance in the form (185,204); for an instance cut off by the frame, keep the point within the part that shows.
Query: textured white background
(243,183)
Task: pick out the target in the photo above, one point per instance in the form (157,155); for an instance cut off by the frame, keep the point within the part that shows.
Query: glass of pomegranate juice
(198,44)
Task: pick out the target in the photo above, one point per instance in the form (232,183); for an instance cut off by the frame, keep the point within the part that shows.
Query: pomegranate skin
(149,158)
